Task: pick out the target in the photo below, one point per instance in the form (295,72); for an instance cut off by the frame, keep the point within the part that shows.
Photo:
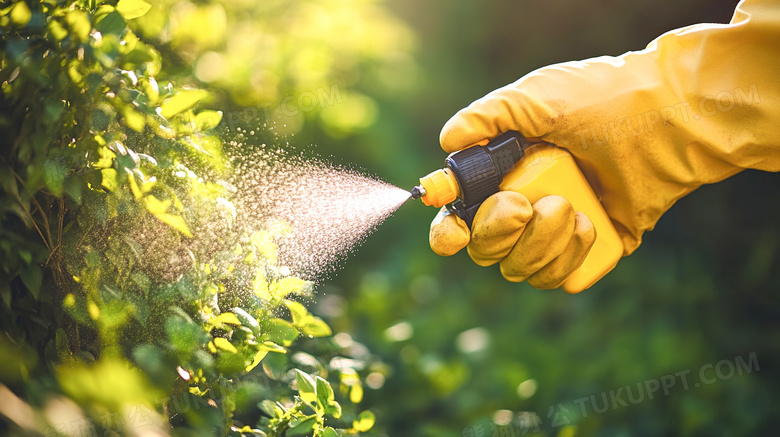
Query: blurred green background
(701,289)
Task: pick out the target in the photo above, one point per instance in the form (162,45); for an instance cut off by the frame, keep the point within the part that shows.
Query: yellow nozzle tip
(440,188)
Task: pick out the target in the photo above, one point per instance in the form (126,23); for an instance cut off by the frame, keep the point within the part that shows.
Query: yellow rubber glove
(507,229)
(698,105)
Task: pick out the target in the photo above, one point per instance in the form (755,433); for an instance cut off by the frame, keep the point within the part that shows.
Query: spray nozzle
(437,189)
(471,175)
(417,192)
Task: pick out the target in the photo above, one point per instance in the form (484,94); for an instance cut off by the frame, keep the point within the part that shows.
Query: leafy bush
(131,299)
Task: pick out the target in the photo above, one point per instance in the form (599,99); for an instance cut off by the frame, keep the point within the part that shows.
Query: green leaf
(356,393)
(329,432)
(326,398)
(282,332)
(289,285)
(364,422)
(247,320)
(225,345)
(111,23)
(305,386)
(298,312)
(150,87)
(129,42)
(111,382)
(315,327)
(150,359)
(142,54)
(155,205)
(257,359)
(54,172)
(231,363)
(270,408)
(206,120)
(263,242)
(270,346)
(184,335)
(25,255)
(158,209)
(324,391)
(109,179)
(137,193)
(32,276)
(133,119)
(334,409)
(142,281)
(260,285)
(20,14)
(131,9)
(73,188)
(106,160)
(301,426)
(181,102)
(229,318)
(276,365)
(56,30)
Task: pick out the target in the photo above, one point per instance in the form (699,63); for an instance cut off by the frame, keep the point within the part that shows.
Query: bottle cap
(440,188)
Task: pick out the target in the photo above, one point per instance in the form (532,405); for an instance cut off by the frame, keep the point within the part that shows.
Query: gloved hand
(508,230)
(698,105)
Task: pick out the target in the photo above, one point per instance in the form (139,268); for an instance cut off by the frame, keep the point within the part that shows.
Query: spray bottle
(511,162)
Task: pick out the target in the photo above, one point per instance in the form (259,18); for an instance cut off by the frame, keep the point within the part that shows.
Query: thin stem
(32,219)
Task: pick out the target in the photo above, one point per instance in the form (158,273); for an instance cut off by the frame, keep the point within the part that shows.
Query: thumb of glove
(449,234)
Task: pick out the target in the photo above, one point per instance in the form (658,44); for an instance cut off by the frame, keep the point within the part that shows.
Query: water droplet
(318,212)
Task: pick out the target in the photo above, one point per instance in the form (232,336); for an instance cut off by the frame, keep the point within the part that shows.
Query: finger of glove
(545,237)
(498,224)
(555,273)
(513,107)
(449,234)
